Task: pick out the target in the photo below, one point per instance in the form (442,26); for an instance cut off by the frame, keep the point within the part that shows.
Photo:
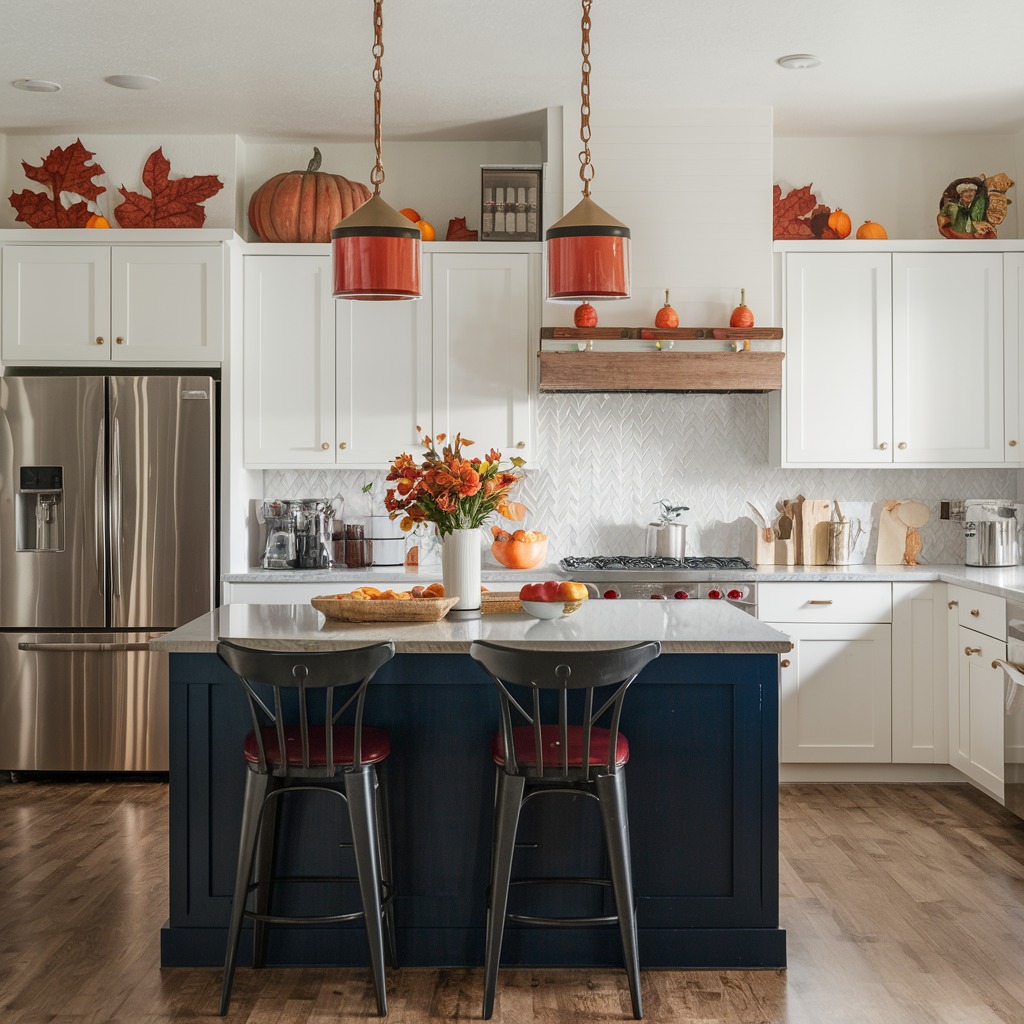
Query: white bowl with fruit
(553,599)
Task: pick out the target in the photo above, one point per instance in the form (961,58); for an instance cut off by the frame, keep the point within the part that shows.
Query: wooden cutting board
(815,514)
(898,540)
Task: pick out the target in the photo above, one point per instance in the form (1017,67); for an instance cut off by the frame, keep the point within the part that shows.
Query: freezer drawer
(82,702)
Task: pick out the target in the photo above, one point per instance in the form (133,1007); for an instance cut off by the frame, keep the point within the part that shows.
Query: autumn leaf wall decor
(63,170)
(798,214)
(170,204)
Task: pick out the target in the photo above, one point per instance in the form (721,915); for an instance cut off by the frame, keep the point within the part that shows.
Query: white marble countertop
(698,627)
(347,578)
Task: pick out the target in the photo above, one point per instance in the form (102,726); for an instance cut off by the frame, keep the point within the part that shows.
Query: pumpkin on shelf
(839,222)
(869,229)
(584,315)
(303,206)
(666,318)
(97,221)
(742,315)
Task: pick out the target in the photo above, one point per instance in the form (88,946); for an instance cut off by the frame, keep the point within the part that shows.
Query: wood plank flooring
(903,905)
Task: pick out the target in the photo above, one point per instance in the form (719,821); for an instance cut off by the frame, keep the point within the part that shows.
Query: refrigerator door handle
(116,497)
(58,646)
(98,507)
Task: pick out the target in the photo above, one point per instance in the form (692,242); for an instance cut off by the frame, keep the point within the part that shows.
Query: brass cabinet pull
(343,444)
(952,604)
(1013,444)
(520,444)
(819,602)
(902,445)
(972,650)
(99,340)
(785,663)
(119,340)
(975,612)
(884,445)
(325,446)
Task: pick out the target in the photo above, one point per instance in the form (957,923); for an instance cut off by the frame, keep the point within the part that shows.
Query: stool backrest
(608,674)
(314,677)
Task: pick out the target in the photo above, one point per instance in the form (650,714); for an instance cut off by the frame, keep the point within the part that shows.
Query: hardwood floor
(903,905)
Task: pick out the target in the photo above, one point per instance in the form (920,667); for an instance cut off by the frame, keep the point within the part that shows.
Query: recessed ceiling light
(799,61)
(36,85)
(132,81)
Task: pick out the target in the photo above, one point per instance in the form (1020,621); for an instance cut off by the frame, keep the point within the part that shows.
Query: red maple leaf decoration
(63,170)
(789,213)
(171,204)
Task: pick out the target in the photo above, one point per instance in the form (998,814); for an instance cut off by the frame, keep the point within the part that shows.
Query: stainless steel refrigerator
(107,535)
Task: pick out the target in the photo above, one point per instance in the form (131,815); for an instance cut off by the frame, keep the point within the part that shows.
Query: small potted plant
(666,536)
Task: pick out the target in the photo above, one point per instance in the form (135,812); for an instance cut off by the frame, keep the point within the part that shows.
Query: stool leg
(256,786)
(386,869)
(611,789)
(508,801)
(363,818)
(265,870)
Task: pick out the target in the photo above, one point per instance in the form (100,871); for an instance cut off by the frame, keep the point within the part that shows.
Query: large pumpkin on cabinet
(303,206)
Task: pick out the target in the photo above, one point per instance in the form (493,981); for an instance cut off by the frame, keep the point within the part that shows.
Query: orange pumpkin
(303,206)
(667,318)
(97,221)
(408,211)
(839,222)
(869,229)
(742,315)
(426,230)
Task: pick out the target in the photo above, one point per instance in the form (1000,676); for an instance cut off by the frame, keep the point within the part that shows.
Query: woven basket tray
(500,602)
(417,609)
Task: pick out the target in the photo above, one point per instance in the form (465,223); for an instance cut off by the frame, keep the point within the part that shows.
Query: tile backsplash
(603,461)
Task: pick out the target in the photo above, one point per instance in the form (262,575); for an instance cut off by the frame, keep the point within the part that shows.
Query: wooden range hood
(616,370)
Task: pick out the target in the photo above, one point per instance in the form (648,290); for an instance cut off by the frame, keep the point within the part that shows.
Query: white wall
(897,181)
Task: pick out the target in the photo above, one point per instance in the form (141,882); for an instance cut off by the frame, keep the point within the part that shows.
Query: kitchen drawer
(984,612)
(824,602)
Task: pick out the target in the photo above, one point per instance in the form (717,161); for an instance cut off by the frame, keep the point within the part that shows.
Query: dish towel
(1014,694)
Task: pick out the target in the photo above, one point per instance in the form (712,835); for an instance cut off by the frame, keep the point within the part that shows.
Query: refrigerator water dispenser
(39,507)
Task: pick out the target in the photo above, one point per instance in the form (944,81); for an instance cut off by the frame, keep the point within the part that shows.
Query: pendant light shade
(376,251)
(588,249)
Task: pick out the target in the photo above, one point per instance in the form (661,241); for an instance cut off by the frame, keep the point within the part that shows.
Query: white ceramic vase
(460,568)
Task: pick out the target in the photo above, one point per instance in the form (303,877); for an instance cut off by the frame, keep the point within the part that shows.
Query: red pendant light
(376,250)
(588,249)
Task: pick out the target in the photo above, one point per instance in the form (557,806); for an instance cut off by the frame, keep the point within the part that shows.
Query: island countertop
(697,627)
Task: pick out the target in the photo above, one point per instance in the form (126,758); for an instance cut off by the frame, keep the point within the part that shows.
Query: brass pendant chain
(377,174)
(586,167)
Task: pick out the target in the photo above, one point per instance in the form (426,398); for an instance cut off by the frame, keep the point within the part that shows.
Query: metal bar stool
(290,752)
(575,756)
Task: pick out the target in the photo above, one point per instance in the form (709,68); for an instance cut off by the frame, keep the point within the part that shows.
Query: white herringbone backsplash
(603,461)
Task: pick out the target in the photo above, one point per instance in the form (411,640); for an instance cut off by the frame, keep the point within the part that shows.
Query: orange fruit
(427,230)
(409,212)
(96,221)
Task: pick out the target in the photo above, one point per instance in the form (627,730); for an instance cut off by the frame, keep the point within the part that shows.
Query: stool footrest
(562,922)
(387,897)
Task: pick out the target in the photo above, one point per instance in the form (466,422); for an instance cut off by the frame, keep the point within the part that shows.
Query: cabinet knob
(995,664)
(785,663)
(325,446)
(884,445)
(343,445)
(1013,444)
(99,340)
(972,650)
(119,340)
(520,444)
(952,604)
(975,612)
(902,445)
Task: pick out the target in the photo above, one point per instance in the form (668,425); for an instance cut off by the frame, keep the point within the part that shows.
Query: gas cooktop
(631,563)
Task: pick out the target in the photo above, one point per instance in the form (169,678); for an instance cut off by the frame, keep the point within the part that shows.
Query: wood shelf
(660,371)
(660,334)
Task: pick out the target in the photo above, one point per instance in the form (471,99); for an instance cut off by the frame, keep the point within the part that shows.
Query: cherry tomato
(734,595)
(681,595)
(715,595)
(610,595)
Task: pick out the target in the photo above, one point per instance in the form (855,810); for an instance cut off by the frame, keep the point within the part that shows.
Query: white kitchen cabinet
(122,303)
(976,694)
(347,383)
(920,704)
(894,358)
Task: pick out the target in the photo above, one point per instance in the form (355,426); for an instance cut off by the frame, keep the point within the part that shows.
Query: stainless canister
(666,540)
(993,532)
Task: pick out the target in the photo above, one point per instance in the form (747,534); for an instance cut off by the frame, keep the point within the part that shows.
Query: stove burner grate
(619,562)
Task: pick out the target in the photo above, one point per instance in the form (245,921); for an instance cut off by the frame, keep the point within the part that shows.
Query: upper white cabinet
(101,303)
(897,359)
(347,383)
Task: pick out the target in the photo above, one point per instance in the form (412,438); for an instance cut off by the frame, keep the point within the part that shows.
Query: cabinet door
(167,303)
(483,349)
(838,362)
(383,378)
(835,694)
(920,703)
(980,699)
(56,303)
(948,357)
(288,402)
(1013,364)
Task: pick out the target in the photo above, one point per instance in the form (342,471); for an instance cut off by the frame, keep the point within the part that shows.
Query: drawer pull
(975,612)
(972,650)
(819,602)
(952,604)
(785,663)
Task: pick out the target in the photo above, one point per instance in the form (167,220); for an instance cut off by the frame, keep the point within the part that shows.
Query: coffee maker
(298,533)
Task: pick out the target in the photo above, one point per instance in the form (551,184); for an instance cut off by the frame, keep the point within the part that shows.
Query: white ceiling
(474,68)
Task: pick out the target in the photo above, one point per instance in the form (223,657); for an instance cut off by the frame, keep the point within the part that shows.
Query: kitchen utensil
(815,516)
(757,512)
(842,540)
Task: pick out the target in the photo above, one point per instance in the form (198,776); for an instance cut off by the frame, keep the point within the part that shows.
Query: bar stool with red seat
(571,755)
(291,750)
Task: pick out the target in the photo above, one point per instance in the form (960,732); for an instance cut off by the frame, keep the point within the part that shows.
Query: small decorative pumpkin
(742,315)
(839,222)
(667,317)
(303,206)
(585,315)
(97,221)
(869,229)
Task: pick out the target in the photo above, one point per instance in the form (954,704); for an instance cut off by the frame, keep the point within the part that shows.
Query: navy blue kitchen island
(702,780)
